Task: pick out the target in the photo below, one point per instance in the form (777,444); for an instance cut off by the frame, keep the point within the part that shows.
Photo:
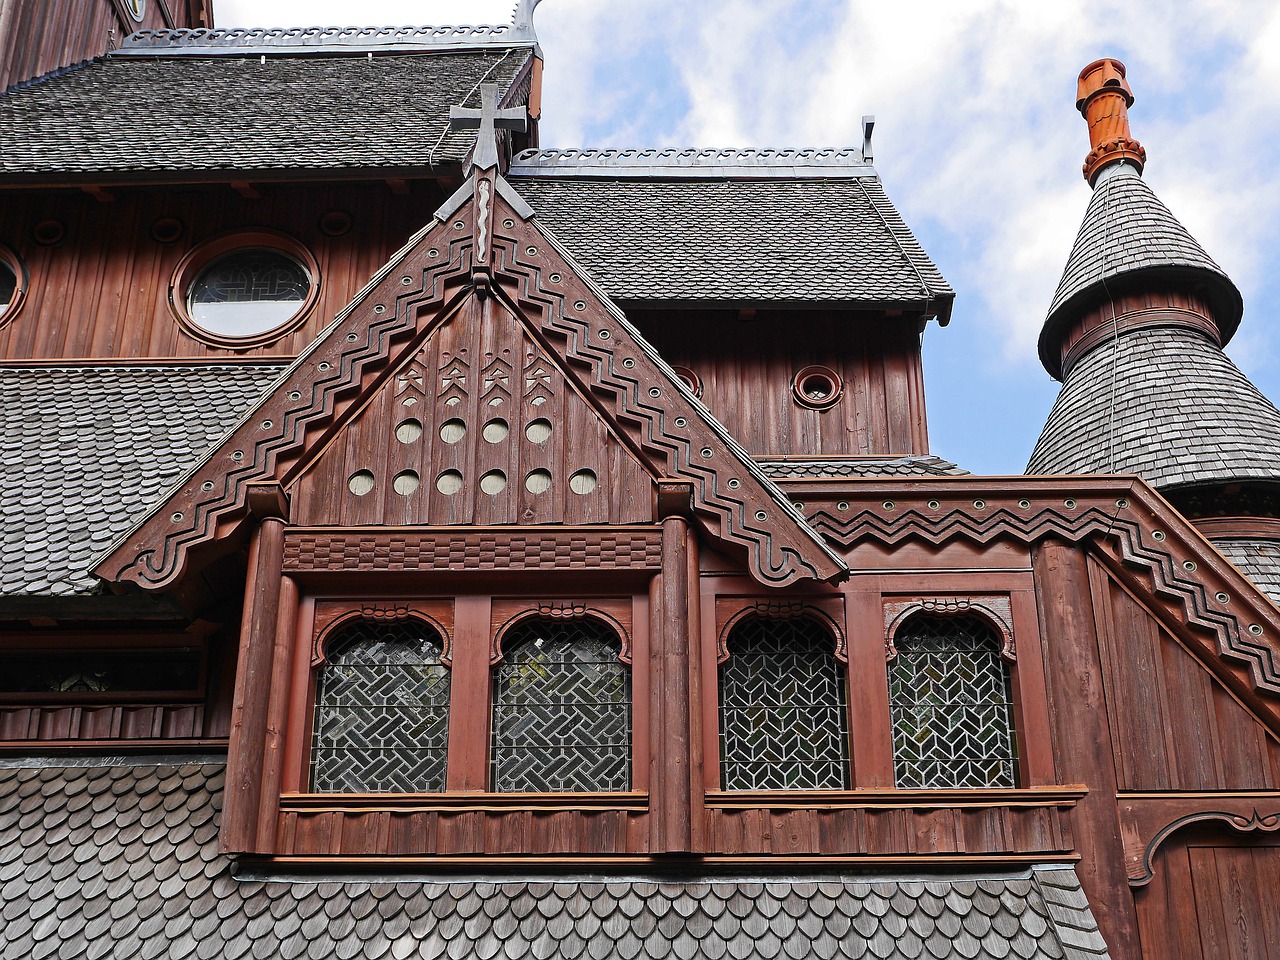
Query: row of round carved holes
(450,482)
(453,431)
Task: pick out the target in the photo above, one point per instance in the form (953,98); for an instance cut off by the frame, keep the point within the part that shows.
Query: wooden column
(277,712)
(258,630)
(868,684)
(670,772)
(1078,712)
(470,685)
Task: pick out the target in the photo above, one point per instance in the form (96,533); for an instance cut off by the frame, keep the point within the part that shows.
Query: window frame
(22,282)
(203,254)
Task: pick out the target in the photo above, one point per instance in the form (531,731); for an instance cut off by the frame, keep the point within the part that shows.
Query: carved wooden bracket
(995,610)
(1147,822)
(826,611)
(385,613)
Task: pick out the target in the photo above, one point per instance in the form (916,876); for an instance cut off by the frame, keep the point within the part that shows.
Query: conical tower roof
(1136,329)
(1129,240)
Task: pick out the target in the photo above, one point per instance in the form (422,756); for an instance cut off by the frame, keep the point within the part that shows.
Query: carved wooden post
(671,776)
(244,797)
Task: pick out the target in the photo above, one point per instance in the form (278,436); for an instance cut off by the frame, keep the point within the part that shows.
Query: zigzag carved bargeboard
(1125,516)
(473,550)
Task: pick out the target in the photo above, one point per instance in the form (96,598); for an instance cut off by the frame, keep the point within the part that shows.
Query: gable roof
(121,856)
(1128,235)
(85,448)
(235,108)
(484,241)
(751,226)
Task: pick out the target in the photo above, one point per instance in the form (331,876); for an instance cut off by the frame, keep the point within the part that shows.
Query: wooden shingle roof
(110,858)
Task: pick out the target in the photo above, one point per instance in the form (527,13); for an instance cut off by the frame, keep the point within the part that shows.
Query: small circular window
(13,284)
(817,387)
(244,290)
(137,9)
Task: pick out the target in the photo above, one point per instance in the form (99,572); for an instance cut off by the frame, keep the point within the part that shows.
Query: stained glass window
(783,718)
(8,284)
(561,709)
(951,705)
(248,292)
(382,711)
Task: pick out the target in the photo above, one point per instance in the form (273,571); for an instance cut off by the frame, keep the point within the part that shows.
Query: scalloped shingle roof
(121,859)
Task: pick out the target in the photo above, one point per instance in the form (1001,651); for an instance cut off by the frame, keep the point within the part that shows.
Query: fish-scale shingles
(1259,560)
(1181,412)
(766,240)
(922,466)
(84,449)
(1126,229)
(122,861)
(128,114)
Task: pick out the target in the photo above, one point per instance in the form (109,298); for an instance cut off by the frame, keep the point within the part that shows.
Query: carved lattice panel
(382,711)
(951,705)
(783,717)
(561,710)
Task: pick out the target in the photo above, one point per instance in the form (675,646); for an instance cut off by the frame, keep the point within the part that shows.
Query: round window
(137,9)
(244,290)
(817,387)
(13,284)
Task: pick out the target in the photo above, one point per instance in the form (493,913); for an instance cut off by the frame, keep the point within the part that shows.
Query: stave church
(420,542)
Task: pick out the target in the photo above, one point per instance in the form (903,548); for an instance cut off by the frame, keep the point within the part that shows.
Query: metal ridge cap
(203,42)
(695,162)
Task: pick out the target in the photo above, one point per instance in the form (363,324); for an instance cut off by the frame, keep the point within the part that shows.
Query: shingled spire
(1135,333)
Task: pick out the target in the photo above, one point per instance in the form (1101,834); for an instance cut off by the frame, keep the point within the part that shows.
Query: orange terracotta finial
(1103,97)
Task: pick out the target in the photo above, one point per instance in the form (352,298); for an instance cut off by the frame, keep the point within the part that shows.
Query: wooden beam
(100,194)
(246,189)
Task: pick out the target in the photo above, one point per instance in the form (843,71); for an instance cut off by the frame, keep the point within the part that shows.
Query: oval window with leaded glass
(382,710)
(951,705)
(247,293)
(12,284)
(561,709)
(784,720)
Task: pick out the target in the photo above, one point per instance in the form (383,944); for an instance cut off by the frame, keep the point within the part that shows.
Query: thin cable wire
(431,154)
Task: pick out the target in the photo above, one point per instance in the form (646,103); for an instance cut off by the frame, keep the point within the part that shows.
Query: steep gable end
(479,426)
(485,243)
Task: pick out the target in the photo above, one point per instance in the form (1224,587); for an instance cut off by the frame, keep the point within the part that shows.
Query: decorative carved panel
(996,610)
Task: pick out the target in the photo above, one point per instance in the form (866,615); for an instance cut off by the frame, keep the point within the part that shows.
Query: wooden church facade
(458,547)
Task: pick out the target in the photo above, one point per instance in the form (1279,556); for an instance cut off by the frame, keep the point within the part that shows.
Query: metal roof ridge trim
(696,162)
(205,42)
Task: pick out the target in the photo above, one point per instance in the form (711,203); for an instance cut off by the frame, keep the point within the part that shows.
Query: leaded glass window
(783,717)
(951,705)
(382,711)
(248,292)
(561,709)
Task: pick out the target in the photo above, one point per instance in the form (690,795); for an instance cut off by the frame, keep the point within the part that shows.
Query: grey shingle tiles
(801,241)
(922,466)
(320,112)
(122,861)
(1128,232)
(1182,413)
(1259,560)
(84,448)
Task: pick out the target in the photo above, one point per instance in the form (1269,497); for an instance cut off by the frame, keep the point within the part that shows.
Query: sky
(977,140)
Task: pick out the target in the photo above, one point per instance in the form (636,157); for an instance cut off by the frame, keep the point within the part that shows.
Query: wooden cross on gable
(489,119)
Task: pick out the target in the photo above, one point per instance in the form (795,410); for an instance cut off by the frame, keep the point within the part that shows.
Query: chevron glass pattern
(784,724)
(951,705)
(382,711)
(561,710)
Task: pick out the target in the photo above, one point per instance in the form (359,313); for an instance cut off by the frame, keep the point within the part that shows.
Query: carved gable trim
(611,365)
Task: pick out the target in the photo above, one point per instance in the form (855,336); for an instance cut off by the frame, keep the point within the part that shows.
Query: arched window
(561,709)
(382,711)
(951,705)
(783,717)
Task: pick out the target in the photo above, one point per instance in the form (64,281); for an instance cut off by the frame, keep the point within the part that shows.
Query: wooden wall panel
(1212,897)
(102,292)
(1173,726)
(747,379)
(37,36)
(479,373)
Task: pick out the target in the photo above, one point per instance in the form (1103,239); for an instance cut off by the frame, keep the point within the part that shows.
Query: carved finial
(1103,98)
(488,120)
(522,18)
